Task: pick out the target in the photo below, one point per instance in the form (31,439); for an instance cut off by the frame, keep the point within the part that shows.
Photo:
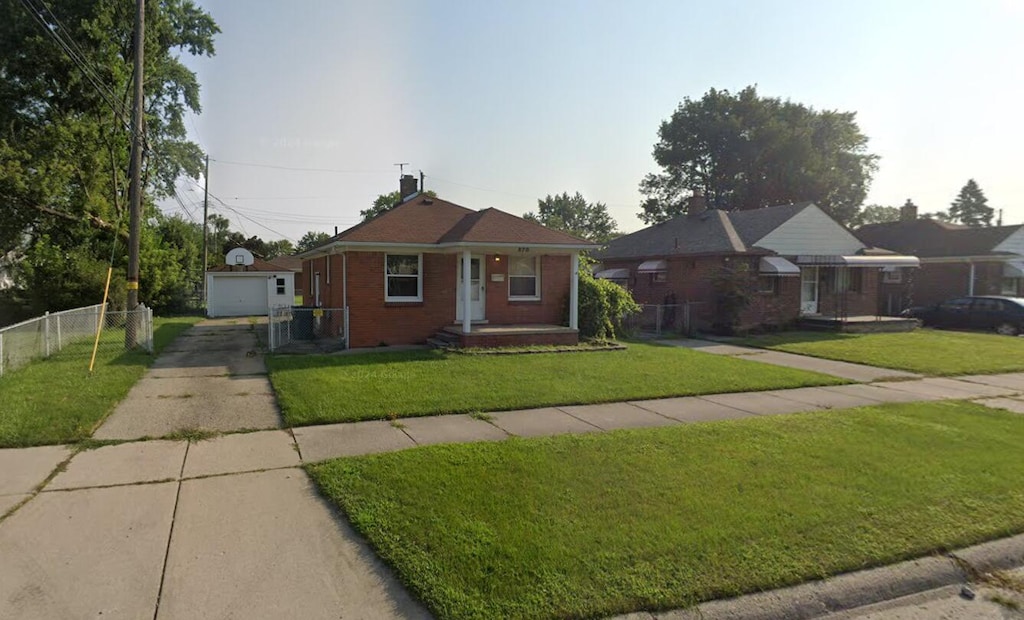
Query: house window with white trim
(280,286)
(403,277)
(524,277)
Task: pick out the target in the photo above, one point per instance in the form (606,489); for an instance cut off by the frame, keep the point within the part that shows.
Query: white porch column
(574,292)
(467,292)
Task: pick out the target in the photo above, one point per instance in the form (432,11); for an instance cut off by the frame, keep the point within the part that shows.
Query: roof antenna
(999,221)
(422,191)
(401,168)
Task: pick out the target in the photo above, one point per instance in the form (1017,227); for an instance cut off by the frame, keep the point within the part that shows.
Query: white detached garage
(246,286)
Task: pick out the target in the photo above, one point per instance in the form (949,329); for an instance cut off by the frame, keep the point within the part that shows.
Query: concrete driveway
(211,378)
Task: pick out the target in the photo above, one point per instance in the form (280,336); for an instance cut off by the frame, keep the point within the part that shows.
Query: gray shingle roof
(712,232)
(928,238)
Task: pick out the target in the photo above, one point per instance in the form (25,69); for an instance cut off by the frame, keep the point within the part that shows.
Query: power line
(297,169)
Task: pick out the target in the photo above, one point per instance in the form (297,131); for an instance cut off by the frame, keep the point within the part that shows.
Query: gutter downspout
(970,280)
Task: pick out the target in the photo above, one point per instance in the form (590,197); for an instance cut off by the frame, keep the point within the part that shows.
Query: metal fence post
(1,354)
(59,343)
(46,334)
(149,319)
(270,329)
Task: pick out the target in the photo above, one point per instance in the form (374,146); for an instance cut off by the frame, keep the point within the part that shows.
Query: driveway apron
(211,378)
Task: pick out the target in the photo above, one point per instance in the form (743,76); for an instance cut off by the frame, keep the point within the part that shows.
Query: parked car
(1004,315)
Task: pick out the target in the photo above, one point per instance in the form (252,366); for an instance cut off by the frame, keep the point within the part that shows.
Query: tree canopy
(64,142)
(574,215)
(971,207)
(385,202)
(311,239)
(875,214)
(745,151)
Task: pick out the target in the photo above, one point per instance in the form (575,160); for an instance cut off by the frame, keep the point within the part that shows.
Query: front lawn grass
(926,351)
(593,525)
(56,400)
(320,388)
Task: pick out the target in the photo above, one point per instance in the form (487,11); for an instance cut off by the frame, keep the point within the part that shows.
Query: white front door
(808,290)
(476,289)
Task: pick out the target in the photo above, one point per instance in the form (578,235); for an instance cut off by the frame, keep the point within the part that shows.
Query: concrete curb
(857,589)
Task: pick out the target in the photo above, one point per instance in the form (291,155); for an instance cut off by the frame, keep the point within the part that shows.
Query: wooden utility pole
(206,205)
(135,183)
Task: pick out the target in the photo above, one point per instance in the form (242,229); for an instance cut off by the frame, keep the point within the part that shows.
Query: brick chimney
(696,203)
(406,186)
(908,212)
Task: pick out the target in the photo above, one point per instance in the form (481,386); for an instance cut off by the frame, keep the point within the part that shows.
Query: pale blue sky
(501,103)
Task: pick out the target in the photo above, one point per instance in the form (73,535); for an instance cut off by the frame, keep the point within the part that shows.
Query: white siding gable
(1014,243)
(810,232)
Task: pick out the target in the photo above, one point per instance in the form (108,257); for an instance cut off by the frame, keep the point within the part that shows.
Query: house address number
(523,249)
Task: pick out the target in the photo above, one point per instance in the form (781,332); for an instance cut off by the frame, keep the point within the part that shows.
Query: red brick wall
(860,302)
(555,273)
(373,322)
(936,282)
(691,279)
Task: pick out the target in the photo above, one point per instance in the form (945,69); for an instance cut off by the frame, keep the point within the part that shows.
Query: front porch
(491,336)
(863,324)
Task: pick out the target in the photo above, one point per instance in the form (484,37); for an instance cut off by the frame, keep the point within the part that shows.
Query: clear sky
(502,103)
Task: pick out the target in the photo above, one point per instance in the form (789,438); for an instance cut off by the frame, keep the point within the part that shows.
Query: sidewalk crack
(170,534)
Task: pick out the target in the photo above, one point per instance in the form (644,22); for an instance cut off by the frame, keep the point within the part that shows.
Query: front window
(892,277)
(403,279)
(524,277)
(280,286)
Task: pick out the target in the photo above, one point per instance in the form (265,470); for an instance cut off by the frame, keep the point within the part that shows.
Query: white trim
(482,284)
(467,297)
(858,261)
(536,279)
(574,291)
(419,280)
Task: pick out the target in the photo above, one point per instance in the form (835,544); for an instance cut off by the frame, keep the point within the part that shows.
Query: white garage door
(235,296)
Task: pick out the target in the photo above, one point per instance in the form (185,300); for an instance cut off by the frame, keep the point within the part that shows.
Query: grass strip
(594,525)
(926,351)
(56,400)
(344,388)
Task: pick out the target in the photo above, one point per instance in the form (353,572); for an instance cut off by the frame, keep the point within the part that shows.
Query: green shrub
(603,306)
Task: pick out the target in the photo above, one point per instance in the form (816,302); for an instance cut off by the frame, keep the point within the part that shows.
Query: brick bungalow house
(400,275)
(955,260)
(792,261)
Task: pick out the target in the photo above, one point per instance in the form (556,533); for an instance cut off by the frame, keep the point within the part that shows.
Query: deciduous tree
(576,216)
(745,151)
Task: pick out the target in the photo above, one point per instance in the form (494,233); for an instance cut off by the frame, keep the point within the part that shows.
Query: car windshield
(1017,301)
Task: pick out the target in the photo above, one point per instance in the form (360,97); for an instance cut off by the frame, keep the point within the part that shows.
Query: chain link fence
(72,332)
(302,330)
(660,319)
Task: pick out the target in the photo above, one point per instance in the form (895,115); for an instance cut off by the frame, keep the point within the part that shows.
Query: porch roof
(652,266)
(777,266)
(613,274)
(893,260)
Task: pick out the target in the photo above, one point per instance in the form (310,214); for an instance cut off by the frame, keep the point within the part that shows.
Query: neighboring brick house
(400,276)
(955,260)
(790,261)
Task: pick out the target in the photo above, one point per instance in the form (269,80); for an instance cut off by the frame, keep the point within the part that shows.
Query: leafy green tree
(385,202)
(64,139)
(875,214)
(971,206)
(576,216)
(311,239)
(745,151)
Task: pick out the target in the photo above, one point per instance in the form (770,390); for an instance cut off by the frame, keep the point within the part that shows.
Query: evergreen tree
(971,206)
